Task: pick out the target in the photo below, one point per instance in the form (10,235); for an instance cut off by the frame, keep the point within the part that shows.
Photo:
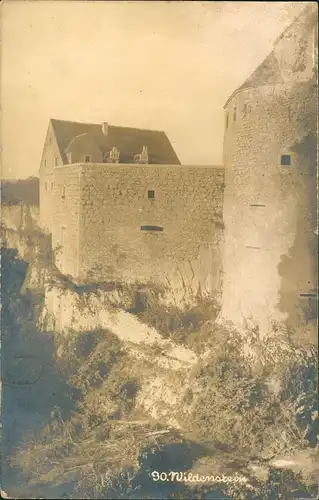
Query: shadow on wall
(300,266)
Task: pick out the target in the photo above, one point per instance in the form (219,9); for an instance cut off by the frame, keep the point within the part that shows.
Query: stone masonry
(141,223)
(270,158)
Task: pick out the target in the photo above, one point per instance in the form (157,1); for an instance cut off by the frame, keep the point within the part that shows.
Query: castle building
(70,142)
(120,206)
(270,210)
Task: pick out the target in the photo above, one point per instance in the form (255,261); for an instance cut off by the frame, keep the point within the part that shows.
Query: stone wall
(51,154)
(270,209)
(66,218)
(114,206)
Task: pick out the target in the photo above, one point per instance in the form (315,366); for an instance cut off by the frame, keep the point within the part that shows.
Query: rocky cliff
(107,371)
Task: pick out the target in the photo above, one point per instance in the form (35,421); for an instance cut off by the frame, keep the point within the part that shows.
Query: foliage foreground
(242,409)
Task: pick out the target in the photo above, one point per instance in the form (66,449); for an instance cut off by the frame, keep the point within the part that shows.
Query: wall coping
(136,165)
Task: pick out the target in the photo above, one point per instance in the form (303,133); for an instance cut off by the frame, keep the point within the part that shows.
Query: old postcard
(159,248)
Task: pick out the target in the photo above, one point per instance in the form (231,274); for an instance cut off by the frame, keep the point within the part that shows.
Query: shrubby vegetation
(254,407)
(264,404)
(171,322)
(104,435)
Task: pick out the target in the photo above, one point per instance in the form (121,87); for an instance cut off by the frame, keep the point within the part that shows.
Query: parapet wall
(159,224)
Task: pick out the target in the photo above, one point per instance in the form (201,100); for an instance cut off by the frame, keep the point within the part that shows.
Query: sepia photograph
(159,250)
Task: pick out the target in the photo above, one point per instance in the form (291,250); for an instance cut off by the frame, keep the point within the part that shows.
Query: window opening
(285,160)
(151,228)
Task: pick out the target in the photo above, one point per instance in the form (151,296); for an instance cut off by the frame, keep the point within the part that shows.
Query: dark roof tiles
(129,141)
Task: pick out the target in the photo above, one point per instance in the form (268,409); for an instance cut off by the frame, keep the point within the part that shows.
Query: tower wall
(270,253)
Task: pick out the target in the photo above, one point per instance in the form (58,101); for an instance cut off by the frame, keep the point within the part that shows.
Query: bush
(174,323)
(233,404)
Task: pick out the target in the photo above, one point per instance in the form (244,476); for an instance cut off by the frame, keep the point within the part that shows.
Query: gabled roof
(129,141)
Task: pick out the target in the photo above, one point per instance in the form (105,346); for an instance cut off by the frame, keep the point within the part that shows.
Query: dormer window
(87,158)
(142,157)
(114,155)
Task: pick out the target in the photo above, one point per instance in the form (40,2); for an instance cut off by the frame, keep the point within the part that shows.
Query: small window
(46,186)
(51,186)
(63,192)
(285,160)
(152,228)
(45,163)
(50,141)
(234,114)
(227,120)
(87,158)
(151,194)
(56,161)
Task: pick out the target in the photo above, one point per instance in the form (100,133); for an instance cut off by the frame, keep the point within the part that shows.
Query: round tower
(270,211)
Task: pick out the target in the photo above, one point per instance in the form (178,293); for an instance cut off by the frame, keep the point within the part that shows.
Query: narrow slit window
(56,161)
(285,160)
(227,120)
(234,114)
(63,193)
(151,194)
(151,228)
(87,158)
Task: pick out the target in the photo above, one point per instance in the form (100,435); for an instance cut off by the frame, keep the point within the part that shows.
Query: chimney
(105,127)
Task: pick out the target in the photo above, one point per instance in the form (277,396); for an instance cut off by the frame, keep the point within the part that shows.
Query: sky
(160,65)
